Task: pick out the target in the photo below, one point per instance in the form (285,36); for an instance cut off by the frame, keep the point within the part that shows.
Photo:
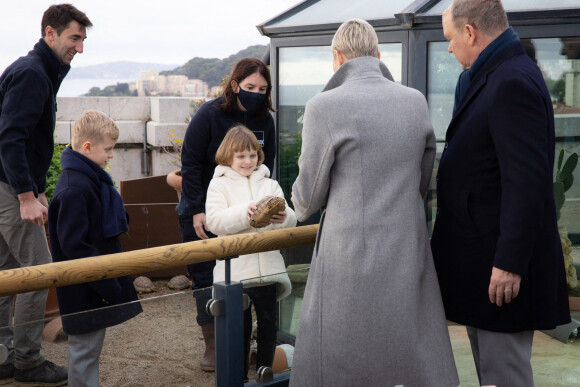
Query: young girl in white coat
(239,181)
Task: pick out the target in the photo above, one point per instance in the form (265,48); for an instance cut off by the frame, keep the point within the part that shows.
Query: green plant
(174,151)
(54,171)
(564,179)
(290,147)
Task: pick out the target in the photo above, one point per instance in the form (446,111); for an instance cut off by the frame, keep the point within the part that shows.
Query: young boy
(85,218)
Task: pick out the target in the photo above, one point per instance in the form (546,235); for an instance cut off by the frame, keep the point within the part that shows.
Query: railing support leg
(229,335)
(227,307)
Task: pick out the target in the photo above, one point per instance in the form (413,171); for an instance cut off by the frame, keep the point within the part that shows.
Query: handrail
(81,270)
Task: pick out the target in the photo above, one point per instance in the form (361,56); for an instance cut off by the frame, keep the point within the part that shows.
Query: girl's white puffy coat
(228,197)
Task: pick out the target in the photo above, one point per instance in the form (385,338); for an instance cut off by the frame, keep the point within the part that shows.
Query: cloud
(162,31)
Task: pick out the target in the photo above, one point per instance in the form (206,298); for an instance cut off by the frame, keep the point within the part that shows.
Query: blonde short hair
(356,38)
(238,139)
(93,126)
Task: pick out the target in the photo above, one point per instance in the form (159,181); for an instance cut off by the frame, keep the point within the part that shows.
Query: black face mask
(249,100)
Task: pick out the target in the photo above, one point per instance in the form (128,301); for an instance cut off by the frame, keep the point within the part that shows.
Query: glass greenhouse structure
(414,49)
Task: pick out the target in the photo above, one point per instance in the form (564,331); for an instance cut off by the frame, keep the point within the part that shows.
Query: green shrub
(54,171)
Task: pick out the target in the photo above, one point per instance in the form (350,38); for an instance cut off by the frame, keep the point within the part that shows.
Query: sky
(148,31)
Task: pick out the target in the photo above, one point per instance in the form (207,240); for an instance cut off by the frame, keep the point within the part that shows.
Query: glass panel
(513,5)
(291,305)
(392,56)
(162,346)
(443,71)
(559,60)
(303,72)
(337,11)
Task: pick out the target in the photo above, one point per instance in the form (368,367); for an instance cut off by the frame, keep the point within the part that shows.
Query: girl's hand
(251,208)
(279,218)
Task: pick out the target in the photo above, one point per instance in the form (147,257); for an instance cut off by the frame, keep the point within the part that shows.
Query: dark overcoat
(75,221)
(495,200)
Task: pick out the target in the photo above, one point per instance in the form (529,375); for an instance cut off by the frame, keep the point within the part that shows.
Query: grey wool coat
(372,312)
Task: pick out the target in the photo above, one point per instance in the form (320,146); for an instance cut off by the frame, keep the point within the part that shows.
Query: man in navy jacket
(28,90)
(495,242)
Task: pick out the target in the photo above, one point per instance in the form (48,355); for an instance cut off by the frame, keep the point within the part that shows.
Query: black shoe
(6,373)
(45,374)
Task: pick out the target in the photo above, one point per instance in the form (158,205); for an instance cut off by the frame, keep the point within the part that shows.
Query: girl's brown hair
(238,139)
(243,69)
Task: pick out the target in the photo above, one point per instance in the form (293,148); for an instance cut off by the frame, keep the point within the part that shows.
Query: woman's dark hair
(243,69)
(59,17)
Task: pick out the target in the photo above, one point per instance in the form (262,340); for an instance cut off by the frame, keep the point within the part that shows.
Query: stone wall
(144,124)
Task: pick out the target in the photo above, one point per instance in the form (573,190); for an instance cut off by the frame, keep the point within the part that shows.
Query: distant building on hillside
(194,88)
(151,83)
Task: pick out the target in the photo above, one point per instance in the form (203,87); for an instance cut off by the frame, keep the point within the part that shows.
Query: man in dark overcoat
(495,242)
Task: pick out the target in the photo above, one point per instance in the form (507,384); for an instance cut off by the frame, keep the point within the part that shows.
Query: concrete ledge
(62,131)
(162,162)
(158,132)
(71,108)
(130,132)
(167,109)
(136,116)
(118,108)
(159,109)
(126,164)
(129,108)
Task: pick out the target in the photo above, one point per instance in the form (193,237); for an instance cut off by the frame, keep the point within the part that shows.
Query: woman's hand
(200,226)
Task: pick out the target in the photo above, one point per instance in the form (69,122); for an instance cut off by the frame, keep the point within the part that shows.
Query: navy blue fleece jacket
(28,90)
(204,135)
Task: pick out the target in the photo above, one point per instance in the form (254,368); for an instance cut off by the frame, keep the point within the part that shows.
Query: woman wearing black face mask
(245,100)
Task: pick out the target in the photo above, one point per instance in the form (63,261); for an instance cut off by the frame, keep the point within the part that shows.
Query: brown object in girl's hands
(267,206)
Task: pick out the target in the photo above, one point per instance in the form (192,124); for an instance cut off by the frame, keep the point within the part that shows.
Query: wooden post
(81,270)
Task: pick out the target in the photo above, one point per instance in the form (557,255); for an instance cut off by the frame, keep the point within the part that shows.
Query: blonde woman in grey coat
(372,313)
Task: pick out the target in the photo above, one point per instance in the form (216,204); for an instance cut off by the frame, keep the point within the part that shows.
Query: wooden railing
(77,271)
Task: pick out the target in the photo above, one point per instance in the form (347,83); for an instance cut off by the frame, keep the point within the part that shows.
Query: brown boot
(208,361)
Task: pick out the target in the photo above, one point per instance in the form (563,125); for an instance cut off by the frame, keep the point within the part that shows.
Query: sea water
(76,87)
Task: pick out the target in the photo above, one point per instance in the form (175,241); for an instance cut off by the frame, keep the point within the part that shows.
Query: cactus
(562,183)
(564,179)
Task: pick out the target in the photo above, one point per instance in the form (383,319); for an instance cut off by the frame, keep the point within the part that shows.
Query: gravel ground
(160,347)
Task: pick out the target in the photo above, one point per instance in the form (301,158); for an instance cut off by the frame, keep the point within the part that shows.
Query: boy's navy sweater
(75,220)
(28,90)
(204,135)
